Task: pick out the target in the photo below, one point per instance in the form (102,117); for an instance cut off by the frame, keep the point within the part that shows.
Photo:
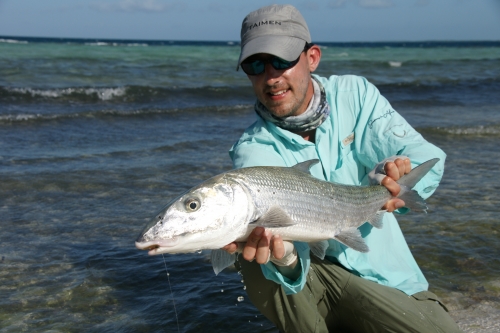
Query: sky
(220,20)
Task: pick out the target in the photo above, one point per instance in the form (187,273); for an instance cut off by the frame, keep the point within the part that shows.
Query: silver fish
(288,201)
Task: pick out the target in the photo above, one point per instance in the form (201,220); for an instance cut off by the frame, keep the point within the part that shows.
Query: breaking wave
(15,95)
(103,94)
(472,131)
(220,110)
(12,41)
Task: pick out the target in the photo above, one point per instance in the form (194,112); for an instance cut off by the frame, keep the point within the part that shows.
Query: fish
(288,201)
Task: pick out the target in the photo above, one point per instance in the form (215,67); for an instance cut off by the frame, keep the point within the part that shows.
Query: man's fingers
(400,164)
(407,164)
(391,185)
(263,251)
(398,168)
(231,248)
(393,204)
(252,243)
(392,170)
(257,246)
(277,247)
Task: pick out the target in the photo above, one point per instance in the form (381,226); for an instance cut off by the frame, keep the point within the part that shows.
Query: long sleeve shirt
(361,130)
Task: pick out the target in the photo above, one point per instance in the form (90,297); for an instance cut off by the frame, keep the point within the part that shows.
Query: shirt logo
(348,140)
(388,113)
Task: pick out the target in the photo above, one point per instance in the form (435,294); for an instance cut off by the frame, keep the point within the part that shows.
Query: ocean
(96,136)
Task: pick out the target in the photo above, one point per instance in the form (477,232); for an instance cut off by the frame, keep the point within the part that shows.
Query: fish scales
(313,204)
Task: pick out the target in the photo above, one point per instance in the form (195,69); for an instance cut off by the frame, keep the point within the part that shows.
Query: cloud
(136,6)
(375,3)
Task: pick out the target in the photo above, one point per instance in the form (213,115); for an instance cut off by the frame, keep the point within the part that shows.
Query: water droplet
(241,298)
(222,290)
(244,287)
(242,281)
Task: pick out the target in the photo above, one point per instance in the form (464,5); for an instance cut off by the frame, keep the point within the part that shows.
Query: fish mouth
(157,247)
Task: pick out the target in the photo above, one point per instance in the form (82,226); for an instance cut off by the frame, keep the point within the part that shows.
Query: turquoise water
(96,137)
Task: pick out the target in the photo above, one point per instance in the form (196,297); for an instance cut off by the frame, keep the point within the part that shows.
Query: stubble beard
(284,109)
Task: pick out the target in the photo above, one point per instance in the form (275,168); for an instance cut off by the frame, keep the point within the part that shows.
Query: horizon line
(233,42)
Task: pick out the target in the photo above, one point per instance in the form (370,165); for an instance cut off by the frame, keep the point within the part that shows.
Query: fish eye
(192,205)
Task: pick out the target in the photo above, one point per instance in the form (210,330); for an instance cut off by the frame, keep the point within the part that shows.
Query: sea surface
(96,136)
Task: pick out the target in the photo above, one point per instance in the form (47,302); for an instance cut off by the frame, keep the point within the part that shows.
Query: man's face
(285,92)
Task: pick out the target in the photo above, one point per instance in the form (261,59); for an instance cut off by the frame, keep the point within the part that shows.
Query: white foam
(395,63)
(18,117)
(103,93)
(117,44)
(13,41)
(98,44)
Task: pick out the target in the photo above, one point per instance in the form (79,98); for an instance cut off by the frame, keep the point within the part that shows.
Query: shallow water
(95,139)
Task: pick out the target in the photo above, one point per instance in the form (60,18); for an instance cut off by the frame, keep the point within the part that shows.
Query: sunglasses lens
(257,67)
(253,68)
(279,63)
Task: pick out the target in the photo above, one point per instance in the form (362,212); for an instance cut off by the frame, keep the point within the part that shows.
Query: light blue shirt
(362,130)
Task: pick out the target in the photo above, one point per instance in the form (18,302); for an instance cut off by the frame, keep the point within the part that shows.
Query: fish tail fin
(412,199)
(411,179)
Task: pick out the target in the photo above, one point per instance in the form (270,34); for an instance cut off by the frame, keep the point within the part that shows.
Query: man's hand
(394,171)
(259,245)
(263,247)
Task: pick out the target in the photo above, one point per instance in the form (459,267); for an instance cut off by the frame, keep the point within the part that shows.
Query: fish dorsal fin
(376,220)
(352,237)
(411,179)
(275,217)
(305,166)
(319,248)
(221,259)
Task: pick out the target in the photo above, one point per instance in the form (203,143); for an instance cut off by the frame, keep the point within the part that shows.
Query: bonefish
(287,200)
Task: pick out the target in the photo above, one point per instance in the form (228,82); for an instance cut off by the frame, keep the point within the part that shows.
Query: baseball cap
(279,30)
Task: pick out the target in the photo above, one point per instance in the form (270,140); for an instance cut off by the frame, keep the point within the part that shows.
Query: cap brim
(287,48)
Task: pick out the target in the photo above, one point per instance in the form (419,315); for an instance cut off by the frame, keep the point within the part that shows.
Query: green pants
(335,300)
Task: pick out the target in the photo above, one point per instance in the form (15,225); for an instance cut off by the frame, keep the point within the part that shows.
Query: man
(346,124)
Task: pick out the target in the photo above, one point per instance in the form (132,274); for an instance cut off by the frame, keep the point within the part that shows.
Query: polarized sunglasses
(258,66)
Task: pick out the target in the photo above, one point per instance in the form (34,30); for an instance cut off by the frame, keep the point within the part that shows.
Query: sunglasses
(258,66)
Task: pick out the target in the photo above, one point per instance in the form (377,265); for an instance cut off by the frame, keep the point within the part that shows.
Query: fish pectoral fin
(352,238)
(305,166)
(376,220)
(221,259)
(275,217)
(319,248)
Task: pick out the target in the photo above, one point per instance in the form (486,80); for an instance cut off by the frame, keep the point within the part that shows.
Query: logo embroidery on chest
(348,140)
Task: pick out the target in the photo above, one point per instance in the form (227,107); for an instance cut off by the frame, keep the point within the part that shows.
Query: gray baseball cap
(279,30)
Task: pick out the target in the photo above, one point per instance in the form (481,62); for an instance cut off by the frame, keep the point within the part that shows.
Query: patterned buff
(316,113)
